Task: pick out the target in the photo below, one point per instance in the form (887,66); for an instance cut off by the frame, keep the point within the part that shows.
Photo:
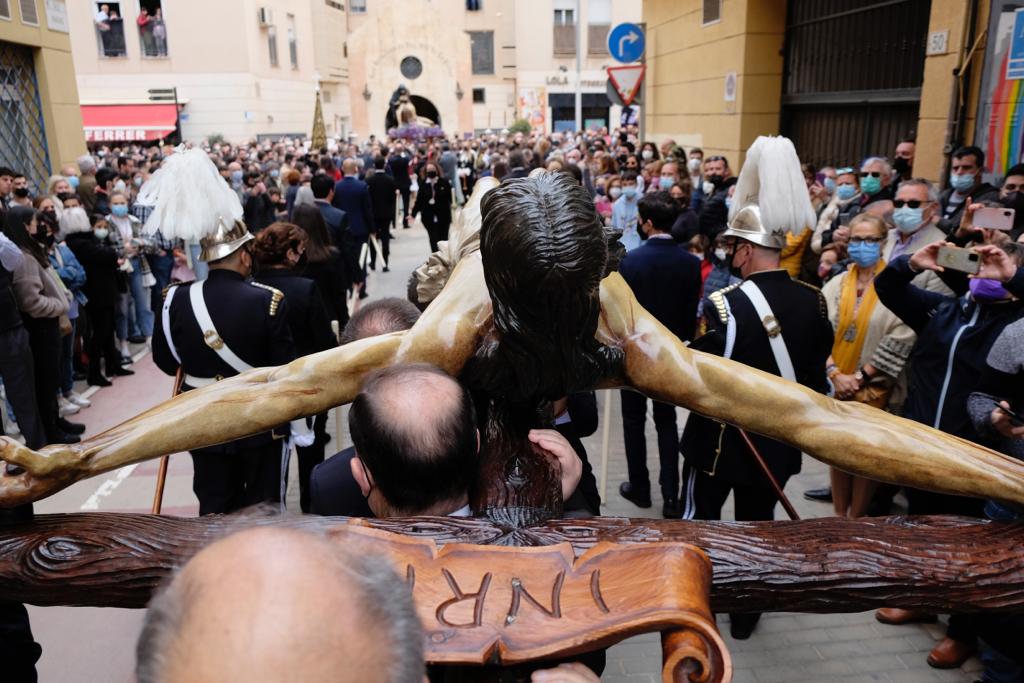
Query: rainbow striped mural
(1006,123)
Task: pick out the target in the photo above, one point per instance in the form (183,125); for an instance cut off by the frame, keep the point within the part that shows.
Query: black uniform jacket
(307,313)
(251,319)
(802,314)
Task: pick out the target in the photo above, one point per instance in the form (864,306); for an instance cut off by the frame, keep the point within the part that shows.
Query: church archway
(424,108)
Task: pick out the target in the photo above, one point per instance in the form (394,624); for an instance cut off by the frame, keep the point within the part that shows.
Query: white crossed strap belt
(771,326)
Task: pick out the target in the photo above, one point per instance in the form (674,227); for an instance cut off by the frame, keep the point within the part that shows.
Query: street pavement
(90,644)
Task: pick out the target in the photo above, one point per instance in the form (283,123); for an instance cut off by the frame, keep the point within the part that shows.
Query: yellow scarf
(853,328)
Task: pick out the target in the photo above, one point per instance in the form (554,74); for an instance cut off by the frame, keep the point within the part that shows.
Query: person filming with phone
(955,335)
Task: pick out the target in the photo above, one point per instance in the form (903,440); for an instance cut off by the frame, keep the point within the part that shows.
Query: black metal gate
(852,78)
(22,134)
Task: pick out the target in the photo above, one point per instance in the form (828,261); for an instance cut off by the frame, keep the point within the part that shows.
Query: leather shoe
(70,427)
(100,381)
(898,617)
(121,372)
(949,654)
(638,498)
(670,509)
(822,495)
(64,437)
(741,626)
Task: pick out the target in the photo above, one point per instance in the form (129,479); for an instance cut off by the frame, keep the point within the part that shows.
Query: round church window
(411,67)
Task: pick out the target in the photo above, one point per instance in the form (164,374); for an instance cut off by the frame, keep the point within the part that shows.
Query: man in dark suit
(666,281)
(383,194)
(398,167)
(769,322)
(352,196)
(322,186)
(333,489)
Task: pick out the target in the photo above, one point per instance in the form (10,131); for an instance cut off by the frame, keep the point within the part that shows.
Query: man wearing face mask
(964,183)
(954,337)
(915,208)
(624,211)
(769,322)
(903,163)
(717,181)
(218,328)
(1011,195)
(20,194)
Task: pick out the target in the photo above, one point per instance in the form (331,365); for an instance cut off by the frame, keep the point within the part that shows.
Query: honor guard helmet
(190,201)
(771,197)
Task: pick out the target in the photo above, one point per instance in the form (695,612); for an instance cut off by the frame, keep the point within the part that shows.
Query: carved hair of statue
(414,428)
(544,252)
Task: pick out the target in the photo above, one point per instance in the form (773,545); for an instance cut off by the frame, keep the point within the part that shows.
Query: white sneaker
(78,400)
(67,407)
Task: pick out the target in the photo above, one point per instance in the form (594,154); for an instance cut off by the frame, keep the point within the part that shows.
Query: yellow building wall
(58,92)
(938,91)
(687,65)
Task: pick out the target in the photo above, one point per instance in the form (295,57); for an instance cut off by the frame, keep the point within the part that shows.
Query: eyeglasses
(912,203)
(873,174)
(865,240)
(845,170)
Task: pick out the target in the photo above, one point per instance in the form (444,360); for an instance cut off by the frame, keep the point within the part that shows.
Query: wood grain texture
(820,565)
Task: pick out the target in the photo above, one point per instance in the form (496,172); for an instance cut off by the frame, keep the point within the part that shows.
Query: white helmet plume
(188,197)
(771,178)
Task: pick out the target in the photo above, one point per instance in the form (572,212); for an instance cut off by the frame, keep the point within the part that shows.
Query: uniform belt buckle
(213,340)
(772,326)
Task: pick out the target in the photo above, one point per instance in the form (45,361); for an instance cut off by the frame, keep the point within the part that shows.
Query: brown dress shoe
(949,654)
(898,617)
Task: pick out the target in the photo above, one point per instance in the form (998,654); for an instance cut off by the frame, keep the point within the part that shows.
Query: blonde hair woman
(871,345)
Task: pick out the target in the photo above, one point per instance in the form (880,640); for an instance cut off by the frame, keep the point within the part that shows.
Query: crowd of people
(894,325)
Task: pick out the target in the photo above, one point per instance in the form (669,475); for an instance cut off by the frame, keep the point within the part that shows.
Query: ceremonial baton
(161,474)
(790,510)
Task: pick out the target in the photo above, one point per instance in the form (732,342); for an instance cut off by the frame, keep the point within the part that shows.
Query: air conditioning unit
(266,16)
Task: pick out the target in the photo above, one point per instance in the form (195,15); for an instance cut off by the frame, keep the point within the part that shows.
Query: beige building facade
(842,84)
(40,123)
(250,68)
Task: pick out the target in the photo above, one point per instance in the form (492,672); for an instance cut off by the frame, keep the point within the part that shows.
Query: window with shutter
(712,12)
(5,9)
(29,13)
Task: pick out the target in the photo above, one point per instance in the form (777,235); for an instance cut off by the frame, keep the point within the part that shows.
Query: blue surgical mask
(629,192)
(864,254)
(728,202)
(961,182)
(908,220)
(101,233)
(830,186)
(274,173)
(119,210)
(236,177)
(73,181)
(870,184)
(846,192)
(666,181)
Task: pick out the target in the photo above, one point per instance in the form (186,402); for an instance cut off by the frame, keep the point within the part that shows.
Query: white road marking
(108,487)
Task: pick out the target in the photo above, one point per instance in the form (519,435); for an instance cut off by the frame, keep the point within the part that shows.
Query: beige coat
(888,342)
(39,291)
(928,280)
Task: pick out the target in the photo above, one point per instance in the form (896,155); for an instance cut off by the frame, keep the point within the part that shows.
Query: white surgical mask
(647,155)
(119,186)
(693,165)
(708,187)
(720,253)
(615,192)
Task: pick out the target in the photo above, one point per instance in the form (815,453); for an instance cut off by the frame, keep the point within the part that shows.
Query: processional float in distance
(524,308)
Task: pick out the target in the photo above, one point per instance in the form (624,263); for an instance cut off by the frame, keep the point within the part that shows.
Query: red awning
(128,122)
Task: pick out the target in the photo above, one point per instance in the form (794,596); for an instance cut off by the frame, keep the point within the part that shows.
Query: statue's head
(544,253)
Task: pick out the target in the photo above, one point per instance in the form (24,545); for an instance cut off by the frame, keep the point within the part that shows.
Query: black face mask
(901,165)
(21,192)
(431,174)
(44,237)
(715,180)
(734,270)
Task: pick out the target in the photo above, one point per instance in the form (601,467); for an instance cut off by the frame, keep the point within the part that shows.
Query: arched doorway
(424,108)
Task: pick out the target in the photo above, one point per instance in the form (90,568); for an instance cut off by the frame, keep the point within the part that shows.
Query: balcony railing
(110,37)
(153,35)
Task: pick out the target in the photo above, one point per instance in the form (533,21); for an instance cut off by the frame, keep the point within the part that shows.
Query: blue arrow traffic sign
(626,43)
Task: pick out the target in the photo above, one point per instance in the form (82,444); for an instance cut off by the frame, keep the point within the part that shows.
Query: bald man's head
(414,430)
(350,167)
(281,605)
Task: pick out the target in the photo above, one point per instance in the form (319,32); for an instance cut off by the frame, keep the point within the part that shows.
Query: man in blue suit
(666,281)
(352,196)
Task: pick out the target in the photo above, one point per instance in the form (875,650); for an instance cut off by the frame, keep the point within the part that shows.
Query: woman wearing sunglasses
(871,345)
(875,180)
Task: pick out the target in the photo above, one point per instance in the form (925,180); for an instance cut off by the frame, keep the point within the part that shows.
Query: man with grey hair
(276,604)
(87,183)
(875,180)
(915,212)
